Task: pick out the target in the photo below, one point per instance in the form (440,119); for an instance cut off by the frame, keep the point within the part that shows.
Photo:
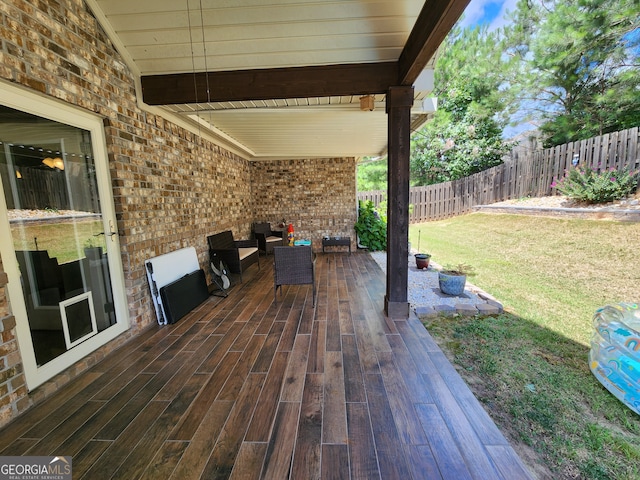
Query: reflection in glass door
(59,238)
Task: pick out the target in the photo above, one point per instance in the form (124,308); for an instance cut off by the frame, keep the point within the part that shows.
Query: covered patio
(245,387)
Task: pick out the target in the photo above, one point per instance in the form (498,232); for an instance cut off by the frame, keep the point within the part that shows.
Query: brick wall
(318,196)
(12,382)
(171,187)
(171,192)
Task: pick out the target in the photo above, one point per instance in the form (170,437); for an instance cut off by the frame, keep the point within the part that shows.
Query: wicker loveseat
(267,238)
(237,255)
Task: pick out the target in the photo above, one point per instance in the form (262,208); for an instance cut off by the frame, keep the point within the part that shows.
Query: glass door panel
(58,232)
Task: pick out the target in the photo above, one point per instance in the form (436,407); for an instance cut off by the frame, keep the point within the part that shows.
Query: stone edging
(587,213)
(490,306)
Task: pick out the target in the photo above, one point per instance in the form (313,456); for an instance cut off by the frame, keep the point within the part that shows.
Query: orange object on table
(290,235)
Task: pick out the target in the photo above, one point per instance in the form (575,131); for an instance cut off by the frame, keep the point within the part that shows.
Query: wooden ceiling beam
(435,21)
(268,84)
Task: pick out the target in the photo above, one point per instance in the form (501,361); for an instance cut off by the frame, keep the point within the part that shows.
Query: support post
(399,102)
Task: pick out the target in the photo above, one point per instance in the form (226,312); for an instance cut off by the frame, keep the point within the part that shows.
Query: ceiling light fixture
(54,163)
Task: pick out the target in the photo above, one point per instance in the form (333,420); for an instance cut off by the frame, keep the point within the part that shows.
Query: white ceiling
(189,36)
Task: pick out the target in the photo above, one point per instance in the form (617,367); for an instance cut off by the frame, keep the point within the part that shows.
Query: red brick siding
(318,196)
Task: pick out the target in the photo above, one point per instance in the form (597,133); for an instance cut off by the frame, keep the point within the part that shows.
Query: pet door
(78,319)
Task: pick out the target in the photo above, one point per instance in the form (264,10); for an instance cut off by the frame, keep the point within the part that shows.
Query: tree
(472,88)
(372,175)
(447,150)
(471,73)
(579,65)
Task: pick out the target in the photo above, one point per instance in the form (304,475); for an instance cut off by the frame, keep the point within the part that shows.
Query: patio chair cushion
(246,252)
(266,237)
(236,254)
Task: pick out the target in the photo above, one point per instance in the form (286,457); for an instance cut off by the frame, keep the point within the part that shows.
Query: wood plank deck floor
(246,388)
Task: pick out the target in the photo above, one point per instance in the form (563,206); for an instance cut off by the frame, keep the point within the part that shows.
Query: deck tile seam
(227,430)
(204,438)
(76,416)
(270,376)
(463,433)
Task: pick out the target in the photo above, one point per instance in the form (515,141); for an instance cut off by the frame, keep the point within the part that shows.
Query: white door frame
(19,98)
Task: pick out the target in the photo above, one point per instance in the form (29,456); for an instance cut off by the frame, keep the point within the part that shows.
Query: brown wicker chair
(267,238)
(293,266)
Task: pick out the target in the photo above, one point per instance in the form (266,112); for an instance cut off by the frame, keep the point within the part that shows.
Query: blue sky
(491,12)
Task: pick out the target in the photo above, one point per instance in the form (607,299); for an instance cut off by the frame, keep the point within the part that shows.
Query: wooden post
(399,102)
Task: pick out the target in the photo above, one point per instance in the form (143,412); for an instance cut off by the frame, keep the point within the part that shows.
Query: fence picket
(622,147)
(612,154)
(633,154)
(522,175)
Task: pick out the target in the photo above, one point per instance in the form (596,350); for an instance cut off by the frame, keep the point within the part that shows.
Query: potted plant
(422,259)
(452,279)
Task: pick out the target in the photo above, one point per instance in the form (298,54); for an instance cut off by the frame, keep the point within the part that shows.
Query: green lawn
(529,366)
(59,238)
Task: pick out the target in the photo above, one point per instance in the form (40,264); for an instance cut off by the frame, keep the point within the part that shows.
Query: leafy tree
(465,135)
(446,150)
(471,74)
(570,66)
(372,175)
(579,65)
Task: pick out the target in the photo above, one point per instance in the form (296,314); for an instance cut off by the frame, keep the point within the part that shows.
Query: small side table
(336,242)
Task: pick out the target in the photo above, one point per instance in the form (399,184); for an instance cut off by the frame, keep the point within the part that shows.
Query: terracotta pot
(422,260)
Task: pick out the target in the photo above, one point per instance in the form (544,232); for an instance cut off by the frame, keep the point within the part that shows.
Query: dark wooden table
(336,242)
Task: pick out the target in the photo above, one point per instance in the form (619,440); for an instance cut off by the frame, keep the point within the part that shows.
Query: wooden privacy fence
(530,176)
(40,188)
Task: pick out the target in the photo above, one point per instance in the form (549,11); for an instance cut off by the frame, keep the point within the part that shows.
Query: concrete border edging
(490,306)
(632,215)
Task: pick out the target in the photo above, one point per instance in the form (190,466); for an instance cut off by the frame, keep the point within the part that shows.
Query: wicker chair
(236,254)
(267,238)
(293,266)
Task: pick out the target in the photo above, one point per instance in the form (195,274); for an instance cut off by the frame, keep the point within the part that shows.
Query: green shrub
(587,185)
(370,227)
(382,209)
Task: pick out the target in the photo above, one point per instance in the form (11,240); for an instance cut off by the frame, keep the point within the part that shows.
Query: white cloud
(479,11)
(474,12)
(501,18)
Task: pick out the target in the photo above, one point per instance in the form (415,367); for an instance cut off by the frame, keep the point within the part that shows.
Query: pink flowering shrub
(588,185)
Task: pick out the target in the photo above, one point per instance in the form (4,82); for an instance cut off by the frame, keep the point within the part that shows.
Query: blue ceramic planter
(452,284)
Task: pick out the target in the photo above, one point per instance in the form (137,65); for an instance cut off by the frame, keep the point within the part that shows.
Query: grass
(529,366)
(59,238)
